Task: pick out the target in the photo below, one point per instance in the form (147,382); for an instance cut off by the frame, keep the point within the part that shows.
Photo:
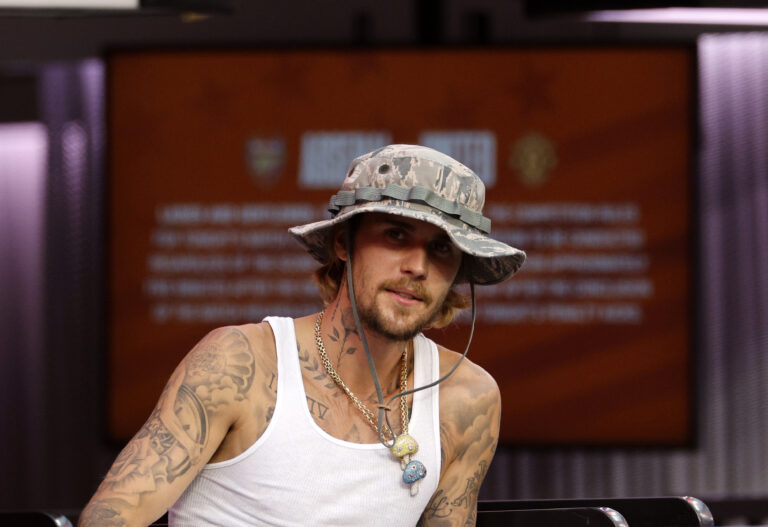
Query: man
(312,421)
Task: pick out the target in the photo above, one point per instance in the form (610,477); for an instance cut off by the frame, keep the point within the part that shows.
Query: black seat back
(565,517)
(32,519)
(667,511)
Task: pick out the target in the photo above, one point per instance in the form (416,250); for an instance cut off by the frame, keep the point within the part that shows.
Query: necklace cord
(453,369)
(367,413)
(371,365)
(384,415)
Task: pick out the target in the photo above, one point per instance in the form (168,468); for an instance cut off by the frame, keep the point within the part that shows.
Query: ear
(339,243)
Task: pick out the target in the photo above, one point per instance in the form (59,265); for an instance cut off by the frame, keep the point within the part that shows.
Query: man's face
(402,271)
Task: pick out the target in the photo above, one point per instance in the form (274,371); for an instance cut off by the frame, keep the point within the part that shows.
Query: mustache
(415,287)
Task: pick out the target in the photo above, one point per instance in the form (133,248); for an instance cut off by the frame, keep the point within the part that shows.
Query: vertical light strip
(23,153)
(735,248)
(714,76)
(23,166)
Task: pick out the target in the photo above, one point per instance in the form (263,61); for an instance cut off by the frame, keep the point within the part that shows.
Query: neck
(347,354)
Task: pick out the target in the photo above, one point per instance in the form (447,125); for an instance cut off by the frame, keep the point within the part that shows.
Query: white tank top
(296,474)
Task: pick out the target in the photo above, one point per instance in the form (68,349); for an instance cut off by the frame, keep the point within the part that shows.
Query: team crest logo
(265,159)
(533,158)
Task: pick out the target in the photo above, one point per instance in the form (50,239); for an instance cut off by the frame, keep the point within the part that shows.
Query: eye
(443,247)
(395,234)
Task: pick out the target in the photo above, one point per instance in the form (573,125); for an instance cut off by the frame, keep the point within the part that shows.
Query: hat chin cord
(383,413)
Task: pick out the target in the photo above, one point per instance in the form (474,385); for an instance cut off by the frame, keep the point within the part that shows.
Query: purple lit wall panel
(23,154)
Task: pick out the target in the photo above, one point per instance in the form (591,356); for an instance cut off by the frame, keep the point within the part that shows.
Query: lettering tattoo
(317,408)
(469,433)
(468,498)
(439,507)
(311,364)
(220,369)
(465,505)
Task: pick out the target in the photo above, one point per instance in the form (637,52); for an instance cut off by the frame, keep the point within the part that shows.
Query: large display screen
(586,154)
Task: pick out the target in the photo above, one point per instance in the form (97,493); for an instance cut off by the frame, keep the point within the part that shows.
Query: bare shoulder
(242,359)
(470,409)
(259,334)
(469,381)
(242,364)
(256,336)
(221,369)
(238,351)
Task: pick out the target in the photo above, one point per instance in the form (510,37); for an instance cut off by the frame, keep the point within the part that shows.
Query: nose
(415,261)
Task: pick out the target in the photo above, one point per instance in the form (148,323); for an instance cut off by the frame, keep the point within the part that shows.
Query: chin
(398,326)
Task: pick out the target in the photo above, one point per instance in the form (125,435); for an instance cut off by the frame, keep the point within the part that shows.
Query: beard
(398,322)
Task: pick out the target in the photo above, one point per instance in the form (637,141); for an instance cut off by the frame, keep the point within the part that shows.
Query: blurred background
(152,155)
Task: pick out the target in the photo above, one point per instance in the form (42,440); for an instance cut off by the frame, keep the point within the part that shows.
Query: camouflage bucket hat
(424,184)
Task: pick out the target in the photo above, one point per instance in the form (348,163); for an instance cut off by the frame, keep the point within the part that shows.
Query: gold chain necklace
(403,446)
(370,417)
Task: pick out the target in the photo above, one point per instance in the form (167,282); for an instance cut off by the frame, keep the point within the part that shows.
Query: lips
(407,294)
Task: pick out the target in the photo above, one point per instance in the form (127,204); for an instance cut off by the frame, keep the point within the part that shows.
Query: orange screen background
(614,126)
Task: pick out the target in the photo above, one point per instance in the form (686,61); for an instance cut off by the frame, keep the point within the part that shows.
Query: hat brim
(489,261)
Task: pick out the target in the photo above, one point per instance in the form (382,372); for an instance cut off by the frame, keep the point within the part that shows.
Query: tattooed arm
(470,408)
(204,397)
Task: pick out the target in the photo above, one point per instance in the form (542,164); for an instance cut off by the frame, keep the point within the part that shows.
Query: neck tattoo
(404,445)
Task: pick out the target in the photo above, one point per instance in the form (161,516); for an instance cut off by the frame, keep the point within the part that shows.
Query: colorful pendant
(404,447)
(414,471)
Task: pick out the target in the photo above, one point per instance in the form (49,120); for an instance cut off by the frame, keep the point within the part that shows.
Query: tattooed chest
(317,404)
(338,421)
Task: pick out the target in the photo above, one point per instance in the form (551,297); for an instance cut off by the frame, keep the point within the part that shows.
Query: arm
(203,398)
(469,419)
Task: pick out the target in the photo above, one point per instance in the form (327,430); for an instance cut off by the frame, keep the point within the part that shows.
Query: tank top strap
(425,421)
(426,361)
(288,367)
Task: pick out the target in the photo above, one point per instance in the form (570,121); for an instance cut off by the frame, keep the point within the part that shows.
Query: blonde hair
(328,280)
